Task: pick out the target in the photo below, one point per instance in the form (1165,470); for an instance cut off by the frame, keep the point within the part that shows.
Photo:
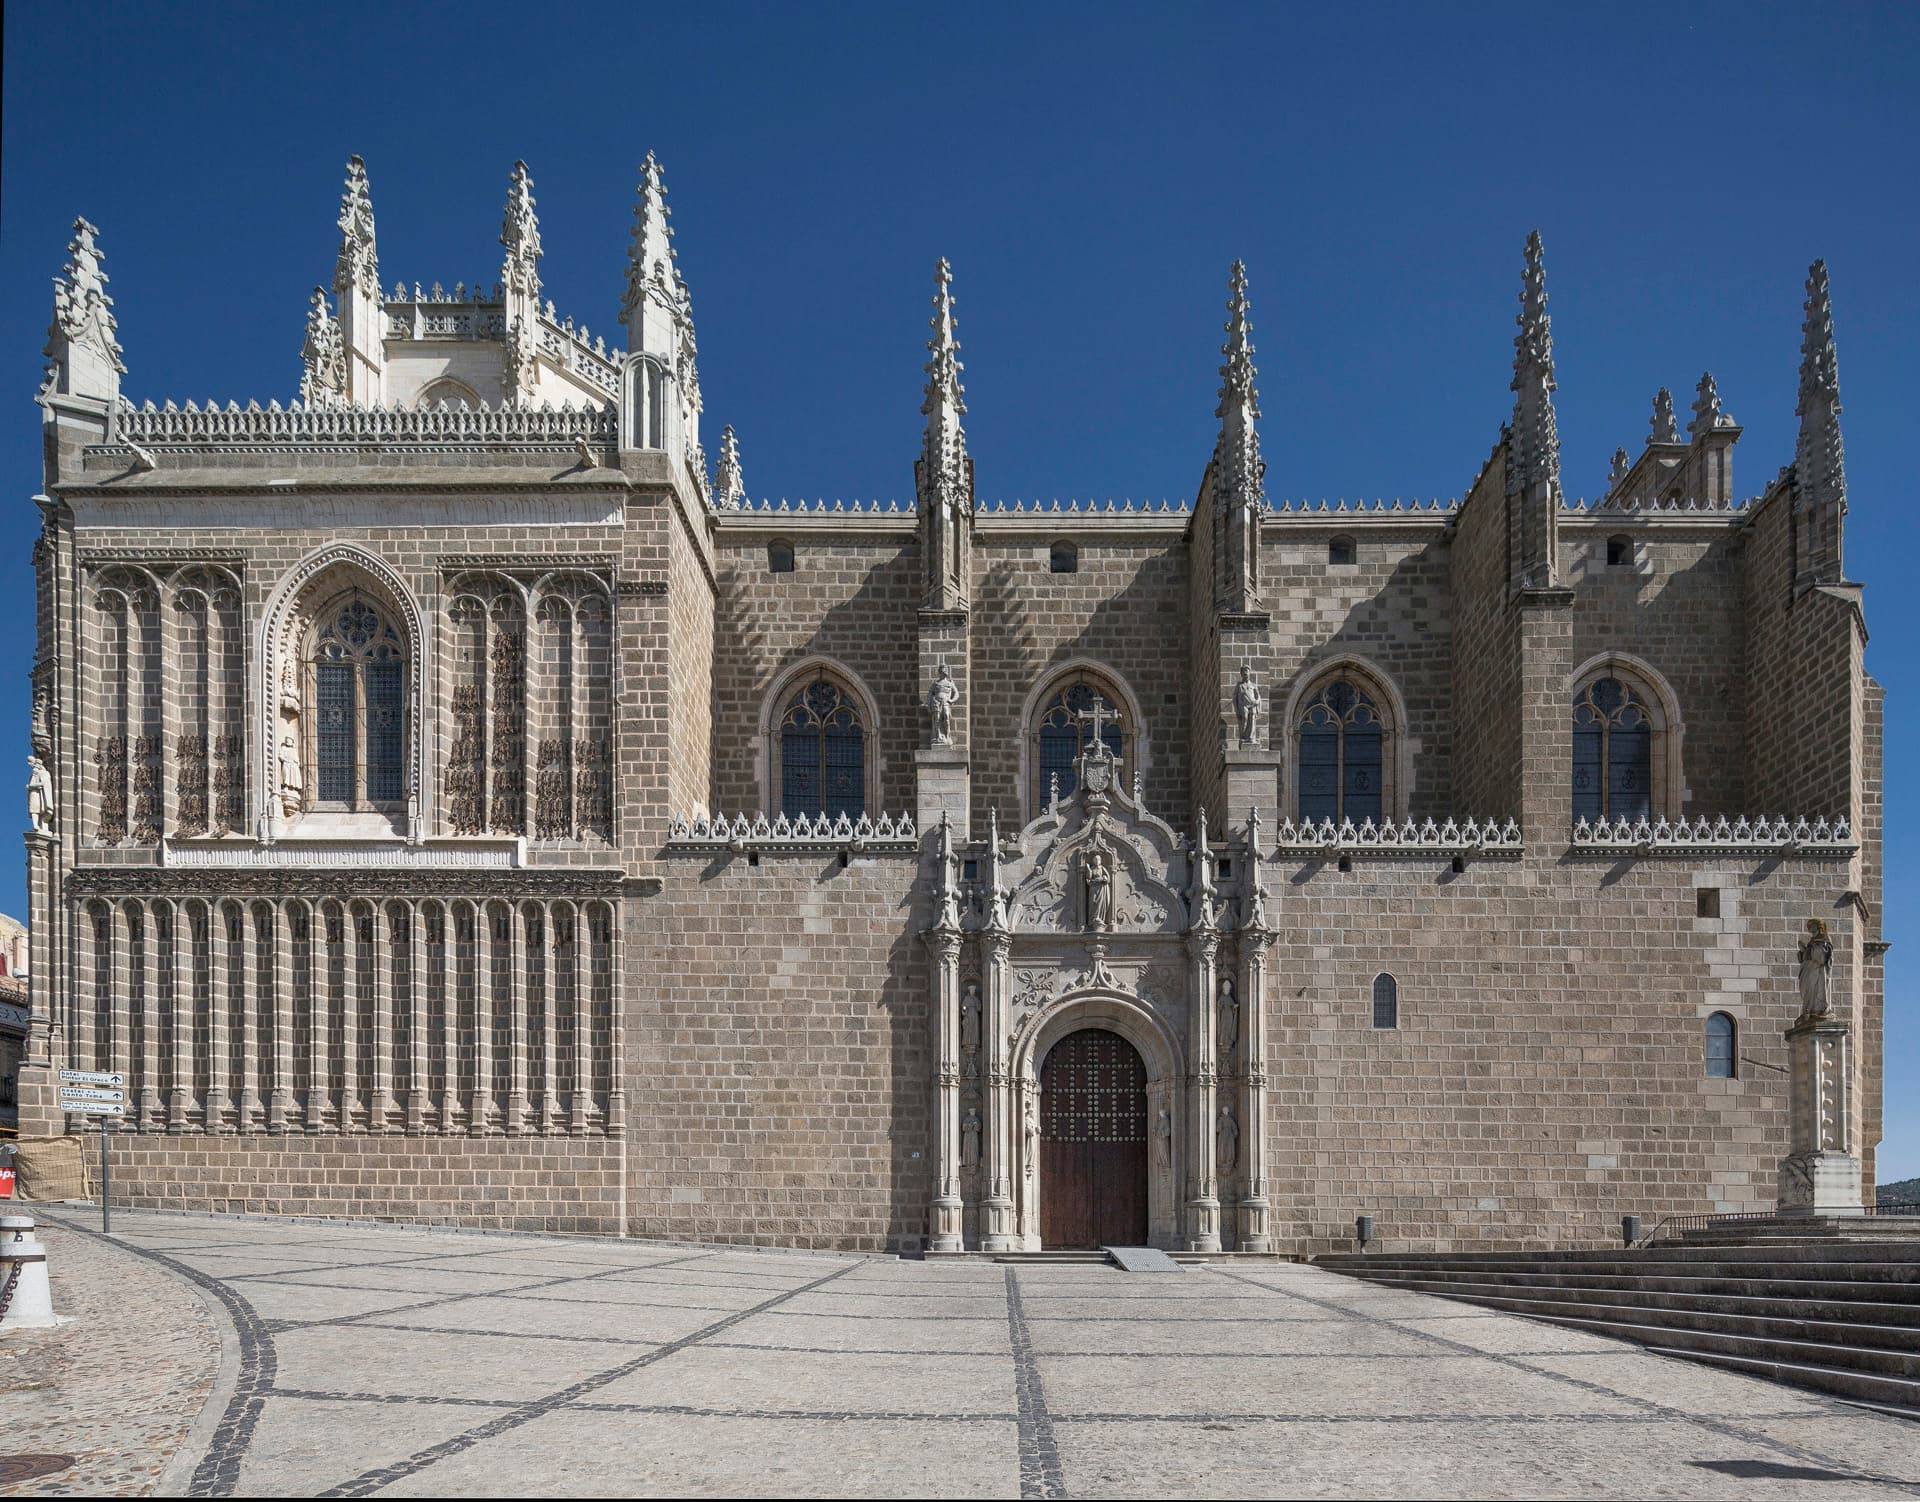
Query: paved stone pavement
(361,1360)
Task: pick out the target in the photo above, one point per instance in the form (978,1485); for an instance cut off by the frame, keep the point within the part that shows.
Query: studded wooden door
(1093,1142)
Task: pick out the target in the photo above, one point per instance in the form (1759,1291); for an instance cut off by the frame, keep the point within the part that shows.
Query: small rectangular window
(1706,902)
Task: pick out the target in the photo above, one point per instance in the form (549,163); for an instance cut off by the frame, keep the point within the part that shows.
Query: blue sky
(1091,172)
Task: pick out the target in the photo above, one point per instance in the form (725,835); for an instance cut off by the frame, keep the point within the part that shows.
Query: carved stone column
(945,1225)
(1000,1233)
(152,1106)
(1203,1201)
(1256,1230)
(180,985)
(516,968)
(247,1109)
(480,1112)
(280,1100)
(1820,1176)
(219,1012)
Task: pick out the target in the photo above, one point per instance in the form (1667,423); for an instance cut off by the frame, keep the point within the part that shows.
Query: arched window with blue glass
(1063,724)
(1723,1036)
(356,698)
(1613,732)
(1341,752)
(821,743)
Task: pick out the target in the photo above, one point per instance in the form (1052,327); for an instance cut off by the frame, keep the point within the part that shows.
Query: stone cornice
(344,883)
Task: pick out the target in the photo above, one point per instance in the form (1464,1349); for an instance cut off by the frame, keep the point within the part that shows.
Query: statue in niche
(1032,1133)
(970,1139)
(1163,1137)
(1816,970)
(1229,1139)
(1228,1025)
(1098,868)
(941,698)
(970,1027)
(292,785)
(39,795)
(1246,705)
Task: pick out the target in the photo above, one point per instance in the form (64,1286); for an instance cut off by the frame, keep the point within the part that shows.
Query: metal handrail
(1684,1223)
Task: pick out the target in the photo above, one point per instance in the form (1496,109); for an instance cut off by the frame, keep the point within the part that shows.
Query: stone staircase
(1838,1314)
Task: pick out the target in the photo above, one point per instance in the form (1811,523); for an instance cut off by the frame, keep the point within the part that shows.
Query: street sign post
(101,1093)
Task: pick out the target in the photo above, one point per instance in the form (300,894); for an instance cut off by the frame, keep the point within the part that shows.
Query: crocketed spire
(323,363)
(729,486)
(1819,457)
(1536,430)
(945,451)
(520,234)
(1238,470)
(1664,429)
(82,311)
(652,262)
(358,264)
(1708,413)
(1617,474)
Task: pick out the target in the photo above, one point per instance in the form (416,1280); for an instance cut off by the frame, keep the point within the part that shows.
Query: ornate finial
(729,488)
(1237,375)
(1617,474)
(520,234)
(1708,414)
(1238,470)
(946,441)
(1664,429)
(82,341)
(1819,458)
(323,358)
(358,265)
(652,262)
(1536,431)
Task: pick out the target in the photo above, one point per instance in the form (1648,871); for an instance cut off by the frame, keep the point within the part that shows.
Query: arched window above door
(355,664)
(821,751)
(1060,725)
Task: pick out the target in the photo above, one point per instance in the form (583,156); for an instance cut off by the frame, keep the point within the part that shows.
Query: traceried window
(1063,726)
(1341,758)
(822,748)
(1612,752)
(1722,1034)
(356,690)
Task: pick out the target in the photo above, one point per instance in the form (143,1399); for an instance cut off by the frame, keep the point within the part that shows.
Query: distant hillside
(1903,1191)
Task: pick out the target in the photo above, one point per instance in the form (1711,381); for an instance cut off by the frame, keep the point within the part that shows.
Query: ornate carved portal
(1093,1142)
(1098,916)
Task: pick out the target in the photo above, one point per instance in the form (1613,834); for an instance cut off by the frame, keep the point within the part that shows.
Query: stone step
(1902,1317)
(1899,1252)
(1893,1274)
(1892,1350)
(1888,1394)
(1884,1366)
(1811,1290)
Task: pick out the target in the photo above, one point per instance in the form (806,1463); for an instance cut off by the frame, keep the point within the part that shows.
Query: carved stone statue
(1228,1025)
(1098,866)
(39,796)
(941,698)
(1816,970)
(292,786)
(970,1139)
(970,1021)
(1032,1131)
(1163,1137)
(1246,705)
(1229,1137)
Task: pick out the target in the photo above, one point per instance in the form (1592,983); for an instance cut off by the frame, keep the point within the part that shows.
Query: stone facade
(458,806)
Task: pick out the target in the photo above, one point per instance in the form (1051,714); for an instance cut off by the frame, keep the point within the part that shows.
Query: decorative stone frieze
(1411,837)
(298,426)
(888,835)
(1708,836)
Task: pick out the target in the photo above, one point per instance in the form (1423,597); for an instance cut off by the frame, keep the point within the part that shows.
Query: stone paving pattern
(375,1359)
(120,1384)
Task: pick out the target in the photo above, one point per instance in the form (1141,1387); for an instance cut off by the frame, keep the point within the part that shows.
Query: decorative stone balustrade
(887,835)
(1710,834)
(1413,837)
(299,426)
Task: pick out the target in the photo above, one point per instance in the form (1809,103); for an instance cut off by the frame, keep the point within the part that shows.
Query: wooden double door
(1093,1142)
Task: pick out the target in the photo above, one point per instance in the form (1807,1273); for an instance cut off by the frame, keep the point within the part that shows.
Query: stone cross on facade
(1097,716)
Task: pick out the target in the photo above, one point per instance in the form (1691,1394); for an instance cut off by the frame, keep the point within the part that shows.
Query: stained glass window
(358,692)
(823,754)
(1612,752)
(1342,755)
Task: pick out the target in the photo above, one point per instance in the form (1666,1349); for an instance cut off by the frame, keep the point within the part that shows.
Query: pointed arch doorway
(1093,1142)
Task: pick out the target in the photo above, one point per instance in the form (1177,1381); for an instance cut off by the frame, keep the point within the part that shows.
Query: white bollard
(23,1270)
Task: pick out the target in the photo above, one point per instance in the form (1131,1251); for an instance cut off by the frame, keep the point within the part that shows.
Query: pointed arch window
(356,697)
(822,748)
(1612,751)
(1060,734)
(1341,761)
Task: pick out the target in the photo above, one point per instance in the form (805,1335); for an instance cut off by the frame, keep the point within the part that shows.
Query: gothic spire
(1664,428)
(520,234)
(945,453)
(1617,474)
(1819,457)
(652,262)
(323,365)
(83,347)
(729,487)
(358,264)
(1708,414)
(1239,443)
(1536,430)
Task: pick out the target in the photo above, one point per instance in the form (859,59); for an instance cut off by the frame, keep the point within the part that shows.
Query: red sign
(6,1183)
